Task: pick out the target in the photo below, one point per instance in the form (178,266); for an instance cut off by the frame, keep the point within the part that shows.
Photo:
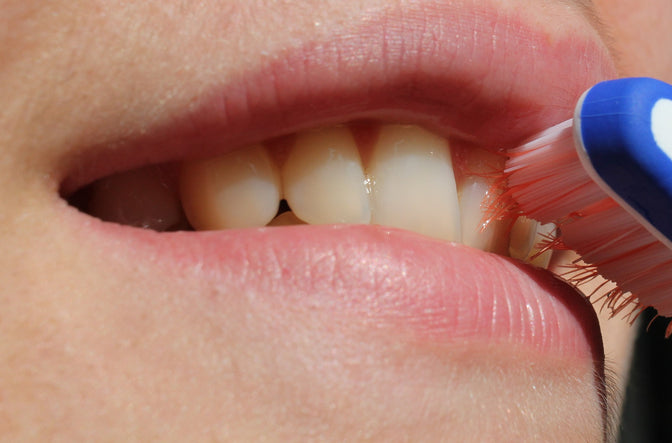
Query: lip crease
(438,66)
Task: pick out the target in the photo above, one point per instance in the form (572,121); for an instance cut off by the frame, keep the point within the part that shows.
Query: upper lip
(436,65)
(442,66)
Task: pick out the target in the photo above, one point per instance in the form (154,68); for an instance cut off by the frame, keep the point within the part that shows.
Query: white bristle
(548,182)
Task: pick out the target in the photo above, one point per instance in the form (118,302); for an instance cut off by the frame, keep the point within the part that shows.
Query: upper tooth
(323,178)
(477,231)
(143,197)
(237,190)
(476,199)
(540,255)
(413,183)
(527,241)
(523,233)
(409,183)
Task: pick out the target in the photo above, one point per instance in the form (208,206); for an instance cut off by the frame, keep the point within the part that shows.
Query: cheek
(640,36)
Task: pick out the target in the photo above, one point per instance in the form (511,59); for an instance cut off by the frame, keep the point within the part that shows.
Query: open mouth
(390,126)
(348,174)
(393,175)
(324,145)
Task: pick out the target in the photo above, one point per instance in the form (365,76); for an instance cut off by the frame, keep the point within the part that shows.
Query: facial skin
(110,333)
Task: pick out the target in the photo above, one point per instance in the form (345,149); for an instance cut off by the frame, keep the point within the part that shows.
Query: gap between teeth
(403,178)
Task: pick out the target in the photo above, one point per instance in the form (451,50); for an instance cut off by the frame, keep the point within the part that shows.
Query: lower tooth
(145,197)
(323,178)
(413,183)
(237,190)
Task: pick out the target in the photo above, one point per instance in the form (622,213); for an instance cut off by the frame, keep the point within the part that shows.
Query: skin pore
(111,334)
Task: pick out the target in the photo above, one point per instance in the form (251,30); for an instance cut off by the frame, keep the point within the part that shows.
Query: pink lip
(433,290)
(473,74)
(436,65)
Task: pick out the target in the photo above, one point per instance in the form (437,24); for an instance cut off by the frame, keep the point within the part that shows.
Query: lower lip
(425,289)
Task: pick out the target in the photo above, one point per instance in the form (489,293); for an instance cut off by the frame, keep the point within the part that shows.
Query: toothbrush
(605,177)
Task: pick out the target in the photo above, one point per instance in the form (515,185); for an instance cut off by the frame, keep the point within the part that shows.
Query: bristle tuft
(548,183)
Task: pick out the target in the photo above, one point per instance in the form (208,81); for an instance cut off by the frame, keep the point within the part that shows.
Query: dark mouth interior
(133,205)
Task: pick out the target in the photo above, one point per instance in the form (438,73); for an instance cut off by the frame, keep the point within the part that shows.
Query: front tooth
(237,190)
(413,183)
(323,178)
(145,197)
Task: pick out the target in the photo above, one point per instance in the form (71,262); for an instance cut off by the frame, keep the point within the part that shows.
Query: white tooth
(477,232)
(413,183)
(286,219)
(323,178)
(145,197)
(237,190)
(527,239)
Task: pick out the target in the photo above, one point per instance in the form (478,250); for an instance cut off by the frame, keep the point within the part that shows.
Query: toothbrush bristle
(548,183)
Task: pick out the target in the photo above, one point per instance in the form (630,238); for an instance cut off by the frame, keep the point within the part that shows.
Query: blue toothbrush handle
(623,133)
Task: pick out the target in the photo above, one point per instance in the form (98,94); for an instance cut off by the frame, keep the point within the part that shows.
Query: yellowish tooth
(474,197)
(323,178)
(527,239)
(286,219)
(536,256)
(237,190)
(523,233)
(413,183)
(145,197)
